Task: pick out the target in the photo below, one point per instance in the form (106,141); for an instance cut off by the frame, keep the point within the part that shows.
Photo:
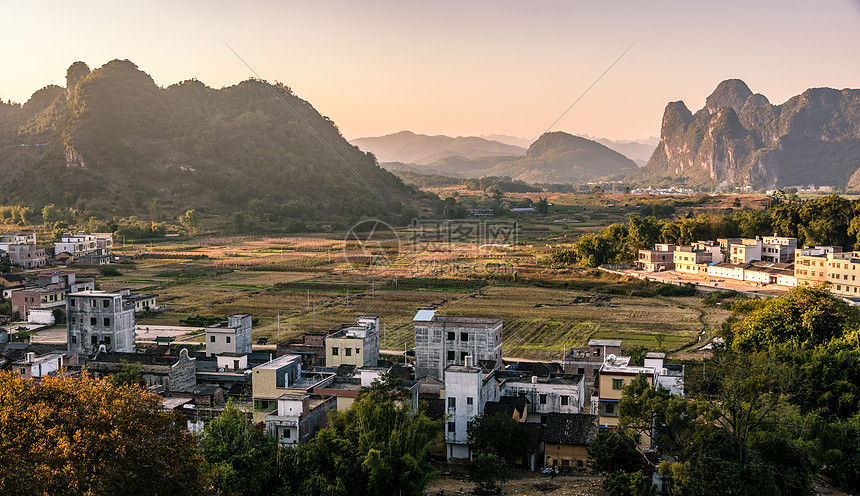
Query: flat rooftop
(604,342)
(279,362)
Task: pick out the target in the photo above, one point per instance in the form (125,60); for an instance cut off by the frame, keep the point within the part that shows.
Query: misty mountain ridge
(740,139)
(422,149)
(556,157)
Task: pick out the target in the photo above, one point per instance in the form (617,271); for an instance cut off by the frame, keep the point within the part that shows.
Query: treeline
(779,405)
(828,220)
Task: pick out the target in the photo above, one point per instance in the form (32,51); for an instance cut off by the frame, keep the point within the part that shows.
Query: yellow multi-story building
(843,269)
(810,265)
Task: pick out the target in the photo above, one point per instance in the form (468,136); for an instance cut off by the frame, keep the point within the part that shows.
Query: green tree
(594,250)
(128,376)
(499,435)
(488,471)
(377,447)
(825,221)
(643,233)
(612,451)
(191,221)
(242,459)
(805,318)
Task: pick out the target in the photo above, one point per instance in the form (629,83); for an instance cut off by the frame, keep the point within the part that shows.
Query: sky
(459,68)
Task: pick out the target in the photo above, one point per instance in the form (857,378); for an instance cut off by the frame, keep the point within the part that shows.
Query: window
(211,339)
(287,434)
(617,383)
(452,402)
(464,336)
(596,351)
(469,400)
(92,321)
(334,351)
(580,370)
(105,303)
(94,339)
(106,321)
(594,372)
(463,355)
(107,339)
(358,351)
(543,399)
(451,356)
(609,408)
(72,302)
(228,339)
(580,463)
(565,400)
(450,336)
(74,339)
(452,427)
(347,351)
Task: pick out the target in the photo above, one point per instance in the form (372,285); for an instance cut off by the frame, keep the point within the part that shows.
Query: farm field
(315,283)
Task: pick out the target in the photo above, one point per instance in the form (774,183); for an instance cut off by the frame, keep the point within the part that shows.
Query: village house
(311,346)
(842,271)
(566,440)
(26,256)
(10,282)
(271,379)
(167,372)
(467,390)
(233,336)
(299,416)
(354,344)
(588,360)
(37,366)
(810,264)
(657,260)
(442,341)
(96,318)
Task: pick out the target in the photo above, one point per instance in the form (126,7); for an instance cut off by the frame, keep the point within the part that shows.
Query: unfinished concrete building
(443,341)
(97,317)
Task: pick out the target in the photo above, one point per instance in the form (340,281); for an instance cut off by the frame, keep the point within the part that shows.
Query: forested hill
(114,141)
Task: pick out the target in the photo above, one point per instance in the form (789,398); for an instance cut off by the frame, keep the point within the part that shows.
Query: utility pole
(279,325)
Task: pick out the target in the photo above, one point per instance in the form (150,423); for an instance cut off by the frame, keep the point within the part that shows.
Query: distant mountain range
(411,148)
(740,139)
(554,157)
(114,142)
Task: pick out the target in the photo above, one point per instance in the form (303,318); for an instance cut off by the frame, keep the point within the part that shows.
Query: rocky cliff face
(740,139)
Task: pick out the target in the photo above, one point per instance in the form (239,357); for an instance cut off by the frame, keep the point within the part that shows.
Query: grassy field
(312,285)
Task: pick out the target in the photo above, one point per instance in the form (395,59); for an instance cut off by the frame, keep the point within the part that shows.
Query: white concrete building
(33,366)
(232,336)
(778,249)
(546,394)
(467,390)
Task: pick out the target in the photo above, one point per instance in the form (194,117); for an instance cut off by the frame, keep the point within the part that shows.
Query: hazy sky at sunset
(451,67)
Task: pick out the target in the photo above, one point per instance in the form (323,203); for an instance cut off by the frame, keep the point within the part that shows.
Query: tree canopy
(84,436)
